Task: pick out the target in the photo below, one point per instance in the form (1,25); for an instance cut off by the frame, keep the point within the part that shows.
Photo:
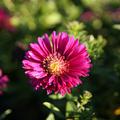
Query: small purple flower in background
(3,81)
(5,22)
(57,64)
(87,16)
(114,14)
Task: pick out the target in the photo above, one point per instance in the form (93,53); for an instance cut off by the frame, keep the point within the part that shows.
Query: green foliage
(76,106)
(50,117)
(95,45)
(6,112)
(51,106)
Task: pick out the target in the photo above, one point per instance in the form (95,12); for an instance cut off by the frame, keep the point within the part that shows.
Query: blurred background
(96,23)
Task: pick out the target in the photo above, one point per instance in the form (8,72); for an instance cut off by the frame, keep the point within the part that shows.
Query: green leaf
(51,106)
(116,26)
(50,117)
(57,96)
(5,114)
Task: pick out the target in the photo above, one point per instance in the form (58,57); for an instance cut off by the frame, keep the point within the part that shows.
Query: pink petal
(29,64)
(42,44)
(37,50)
(47,42)
(51,79)
(36,74)
(54,37)
(5,78)
(69,45)
(32,56)
(62,42)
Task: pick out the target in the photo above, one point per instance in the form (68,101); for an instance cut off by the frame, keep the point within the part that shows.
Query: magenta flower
(3,81)
(88,16)
(57,64)
(5,21)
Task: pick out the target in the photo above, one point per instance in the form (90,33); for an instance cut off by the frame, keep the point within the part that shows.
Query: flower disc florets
(55,64)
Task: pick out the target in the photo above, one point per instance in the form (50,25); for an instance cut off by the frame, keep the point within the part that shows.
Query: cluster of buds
(84,100)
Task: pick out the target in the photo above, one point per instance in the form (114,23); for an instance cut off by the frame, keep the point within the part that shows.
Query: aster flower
(5,21)
(56,63)
(3,81)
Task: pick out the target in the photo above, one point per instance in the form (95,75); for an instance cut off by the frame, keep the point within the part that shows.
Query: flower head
(88,16)
(3,81)
(56,63)
(5,21)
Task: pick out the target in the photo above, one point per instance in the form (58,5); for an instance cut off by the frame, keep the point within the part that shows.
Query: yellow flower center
(55,65)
